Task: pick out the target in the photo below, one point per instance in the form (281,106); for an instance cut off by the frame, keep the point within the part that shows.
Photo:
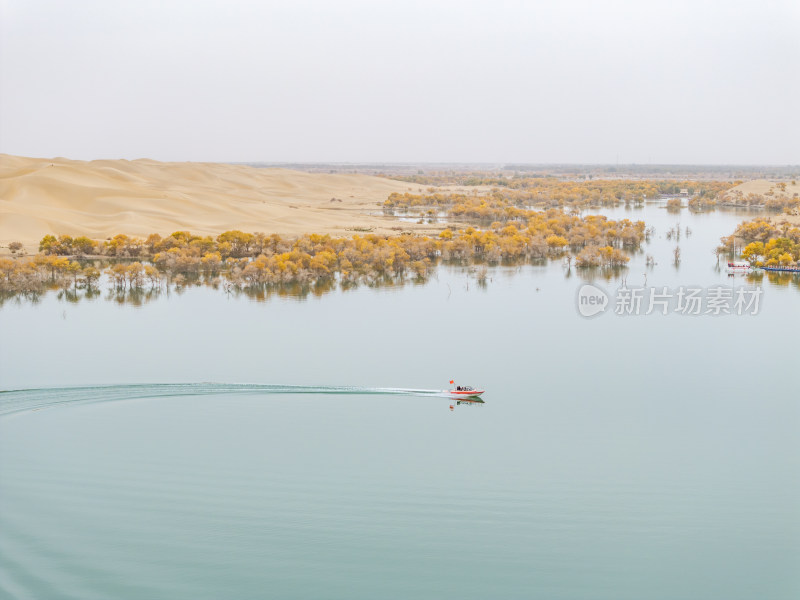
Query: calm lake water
(615,457)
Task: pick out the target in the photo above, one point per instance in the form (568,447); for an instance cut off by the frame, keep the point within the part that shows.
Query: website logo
(591,300)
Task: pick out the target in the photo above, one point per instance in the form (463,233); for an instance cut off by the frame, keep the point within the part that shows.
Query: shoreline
(102,198)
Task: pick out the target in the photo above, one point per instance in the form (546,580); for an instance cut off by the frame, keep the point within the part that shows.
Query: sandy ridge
(762,186)
(101,198)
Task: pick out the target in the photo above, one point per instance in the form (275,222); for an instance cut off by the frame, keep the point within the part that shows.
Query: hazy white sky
(348,80)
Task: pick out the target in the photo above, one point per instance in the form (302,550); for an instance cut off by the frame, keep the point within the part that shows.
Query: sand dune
(762,186)
(104,197)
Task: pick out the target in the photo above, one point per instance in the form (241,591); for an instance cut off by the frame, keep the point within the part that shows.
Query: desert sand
(101,198)
(762,186)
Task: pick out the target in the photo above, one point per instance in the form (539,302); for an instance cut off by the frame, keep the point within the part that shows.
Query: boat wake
(17,401)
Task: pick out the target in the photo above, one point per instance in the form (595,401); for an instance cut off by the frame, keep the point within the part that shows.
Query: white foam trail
(17,401)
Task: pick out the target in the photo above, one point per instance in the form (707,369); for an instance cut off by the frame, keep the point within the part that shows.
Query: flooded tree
(674,204)
(244,260)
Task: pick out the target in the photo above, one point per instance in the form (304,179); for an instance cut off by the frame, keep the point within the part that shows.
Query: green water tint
(616,458)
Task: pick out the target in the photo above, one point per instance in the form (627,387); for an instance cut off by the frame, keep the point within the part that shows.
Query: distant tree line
(557,191)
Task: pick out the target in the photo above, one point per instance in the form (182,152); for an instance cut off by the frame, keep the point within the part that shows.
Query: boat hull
(738,266)
(465,393)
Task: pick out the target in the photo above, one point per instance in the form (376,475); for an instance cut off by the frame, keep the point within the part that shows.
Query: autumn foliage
(524,190)
(254,260)
(766,243)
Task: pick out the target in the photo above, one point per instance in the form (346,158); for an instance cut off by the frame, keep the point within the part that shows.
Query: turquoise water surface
(207,446)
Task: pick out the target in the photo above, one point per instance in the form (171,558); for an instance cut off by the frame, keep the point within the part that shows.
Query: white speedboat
(464,391)
(738,266)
